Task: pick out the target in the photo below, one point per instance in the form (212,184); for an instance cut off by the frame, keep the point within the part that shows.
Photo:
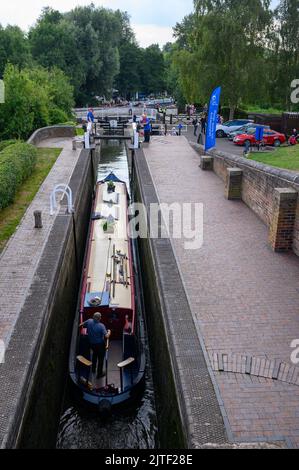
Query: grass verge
(258,109)
(284,157)
(11,216)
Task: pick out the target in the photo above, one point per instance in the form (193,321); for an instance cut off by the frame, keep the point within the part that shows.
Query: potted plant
(111,187)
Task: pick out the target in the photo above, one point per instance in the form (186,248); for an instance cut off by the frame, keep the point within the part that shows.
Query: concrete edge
(51,131)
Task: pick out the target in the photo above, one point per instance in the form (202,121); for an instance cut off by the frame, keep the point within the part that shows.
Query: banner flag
(212,119)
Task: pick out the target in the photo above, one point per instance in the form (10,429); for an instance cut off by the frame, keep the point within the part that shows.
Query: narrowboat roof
(109,277)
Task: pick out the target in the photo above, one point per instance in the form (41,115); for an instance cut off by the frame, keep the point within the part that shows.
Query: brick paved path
(243,296)
(19,259)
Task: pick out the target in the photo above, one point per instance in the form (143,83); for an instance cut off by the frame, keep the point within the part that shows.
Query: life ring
(95,302)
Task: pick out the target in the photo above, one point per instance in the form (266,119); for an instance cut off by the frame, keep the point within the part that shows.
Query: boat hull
(132,379)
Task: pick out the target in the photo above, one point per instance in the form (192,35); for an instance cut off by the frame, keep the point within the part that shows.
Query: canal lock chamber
(52,418)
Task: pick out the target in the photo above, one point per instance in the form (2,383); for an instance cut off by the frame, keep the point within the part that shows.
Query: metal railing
(66,191)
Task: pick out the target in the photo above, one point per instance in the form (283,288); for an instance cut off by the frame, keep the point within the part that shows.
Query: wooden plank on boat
(84,361)
(86,383)
(126,363)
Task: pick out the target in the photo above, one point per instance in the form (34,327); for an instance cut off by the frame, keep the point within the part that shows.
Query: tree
(53,43)
(285,50)
(173,80)
(128,81)
(152,70)
(34,98)
(14,48)
(224,47)
(25,105)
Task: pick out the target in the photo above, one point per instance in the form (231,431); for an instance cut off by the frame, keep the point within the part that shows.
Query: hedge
(6,143)
(239,113)
(17,163)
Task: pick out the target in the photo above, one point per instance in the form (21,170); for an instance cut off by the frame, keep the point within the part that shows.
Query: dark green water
(134,427)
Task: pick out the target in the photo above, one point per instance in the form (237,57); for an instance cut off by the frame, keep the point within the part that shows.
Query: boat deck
(115,356)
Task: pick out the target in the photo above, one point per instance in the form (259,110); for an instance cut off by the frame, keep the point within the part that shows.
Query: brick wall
(259,183)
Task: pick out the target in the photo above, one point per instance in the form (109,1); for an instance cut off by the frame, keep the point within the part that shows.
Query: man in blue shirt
(97,334)
(90,120)
(90,115)
(147,129)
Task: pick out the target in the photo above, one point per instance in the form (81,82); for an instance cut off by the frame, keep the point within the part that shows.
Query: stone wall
(50,132)
(35,369)
(258,186)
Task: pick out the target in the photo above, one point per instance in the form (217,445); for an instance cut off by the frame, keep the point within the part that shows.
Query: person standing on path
(200,136)
(203,123)
(180,127)
(90,120)
(196,125)
(97,334)
(147,130)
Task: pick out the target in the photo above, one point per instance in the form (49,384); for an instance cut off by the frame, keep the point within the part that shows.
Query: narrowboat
(108,286)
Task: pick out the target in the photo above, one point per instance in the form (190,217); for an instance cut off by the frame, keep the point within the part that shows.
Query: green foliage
(11,216)
(242,45)
(128,82)
(79,131)
(284,60)
(7,143)
(140,70)
(224,47)
(17,162)
(14,48)
(173,83)
(57,116)
(53,42)
(83,43)
(34,98)
(153,73)
(284,157)
(239,113)
(94,47)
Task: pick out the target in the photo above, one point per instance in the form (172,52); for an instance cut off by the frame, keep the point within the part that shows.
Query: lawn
(284,157)
(258,109)
(11,216)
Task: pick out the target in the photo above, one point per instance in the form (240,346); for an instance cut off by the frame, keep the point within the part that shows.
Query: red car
(270,138)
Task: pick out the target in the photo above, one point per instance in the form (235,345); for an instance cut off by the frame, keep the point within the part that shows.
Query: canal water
(134,427)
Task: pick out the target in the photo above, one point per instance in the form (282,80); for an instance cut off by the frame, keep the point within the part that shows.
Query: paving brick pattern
(200,410)
(20,258)
(244,297)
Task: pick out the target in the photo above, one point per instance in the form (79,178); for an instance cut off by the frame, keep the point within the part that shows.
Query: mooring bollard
(38,219)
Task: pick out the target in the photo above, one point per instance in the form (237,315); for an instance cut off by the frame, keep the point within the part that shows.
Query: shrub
(239,113)
(7,143)
(57,116)
(17,163)
(34,97)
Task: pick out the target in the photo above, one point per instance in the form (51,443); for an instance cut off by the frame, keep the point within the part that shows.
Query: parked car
(247,129)
(270,138)
(223,129)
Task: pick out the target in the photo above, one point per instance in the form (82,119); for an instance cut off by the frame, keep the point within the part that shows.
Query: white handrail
(65,190)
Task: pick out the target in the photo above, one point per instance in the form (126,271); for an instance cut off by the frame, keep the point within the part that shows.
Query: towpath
(243,297)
